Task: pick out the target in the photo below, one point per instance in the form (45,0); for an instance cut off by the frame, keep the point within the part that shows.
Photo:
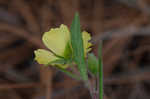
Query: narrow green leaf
(77,46)
(100,72)
(92,64)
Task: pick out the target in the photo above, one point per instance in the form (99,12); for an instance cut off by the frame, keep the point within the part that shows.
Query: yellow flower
(86,44)
(58,41)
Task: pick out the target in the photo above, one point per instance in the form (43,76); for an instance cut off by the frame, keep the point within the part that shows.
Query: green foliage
(77,47)
(92,62)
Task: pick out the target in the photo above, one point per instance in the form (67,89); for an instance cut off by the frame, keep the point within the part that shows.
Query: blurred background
(123,25)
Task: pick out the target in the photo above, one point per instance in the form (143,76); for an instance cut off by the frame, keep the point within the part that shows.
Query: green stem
(100,73)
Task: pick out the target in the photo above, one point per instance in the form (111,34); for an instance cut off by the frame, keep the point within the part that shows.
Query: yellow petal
(56,39)
(44,57)
(86,37)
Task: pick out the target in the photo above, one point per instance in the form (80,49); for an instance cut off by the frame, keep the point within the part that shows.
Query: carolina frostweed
(58,41)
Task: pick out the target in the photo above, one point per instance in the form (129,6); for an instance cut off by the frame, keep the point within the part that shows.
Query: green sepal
(92,62)
(68,51)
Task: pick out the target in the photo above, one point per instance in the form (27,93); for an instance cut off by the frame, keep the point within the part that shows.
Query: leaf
(92,64)
(77,47)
